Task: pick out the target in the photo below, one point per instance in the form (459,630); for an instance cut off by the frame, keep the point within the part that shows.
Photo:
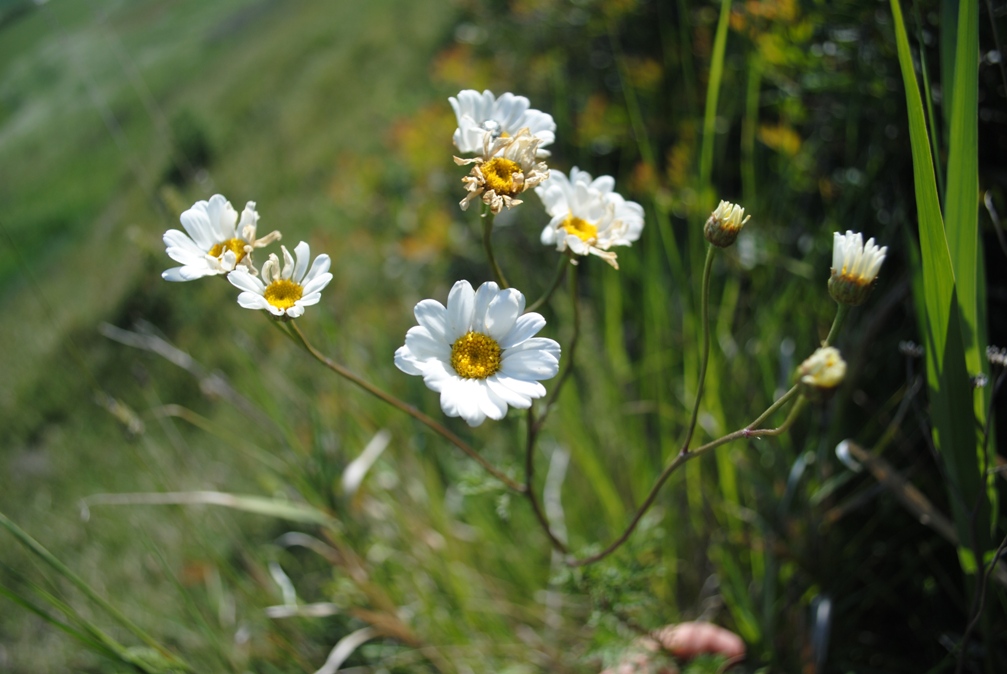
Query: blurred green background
(333,117)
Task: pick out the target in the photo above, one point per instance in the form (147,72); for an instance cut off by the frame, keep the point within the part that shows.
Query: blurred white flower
(823,370)
(214,241)
(479,352)
(722,227)
(854,267)
(482,115)
(286,291)
(507,167)
(587,216)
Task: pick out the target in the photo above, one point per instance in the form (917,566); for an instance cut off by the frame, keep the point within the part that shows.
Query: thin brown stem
(564,262)
(529,486)
(683,457)
(488,245)
(569,356)
(429,422)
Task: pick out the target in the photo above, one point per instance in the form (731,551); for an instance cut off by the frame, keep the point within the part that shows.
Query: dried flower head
(507,167)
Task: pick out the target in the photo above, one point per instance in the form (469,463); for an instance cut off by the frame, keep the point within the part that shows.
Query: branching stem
(429,422)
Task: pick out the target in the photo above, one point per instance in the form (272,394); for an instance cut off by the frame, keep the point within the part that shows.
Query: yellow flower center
(475,356)
(582,229)
(236,246)
(499,175)
(283,293)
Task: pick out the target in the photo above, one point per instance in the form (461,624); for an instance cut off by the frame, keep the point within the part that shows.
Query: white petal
(490,404)
(319,267)
(458,399)
(242,280)
(432,315)
(503,312)
(316,284)
(405,361)
(485,294)
(309,300)
(461,303)
(197,223)
(526,327)
(303,253)
(222,217)
(524,387)
(425,346)
(512,397)
(295,311)
(250,300)
(437,375)
(529,364)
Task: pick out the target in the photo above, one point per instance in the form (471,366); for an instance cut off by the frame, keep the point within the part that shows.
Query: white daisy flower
(855,266)
(214,243)
(480,115)
(480,352)
(286,291)
(722,227)
(587,216)
(507,167)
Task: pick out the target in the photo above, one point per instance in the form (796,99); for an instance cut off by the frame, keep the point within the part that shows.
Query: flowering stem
(429,422)
(837,322)
(488,245)
(682,458)
(705,320)
(556,280)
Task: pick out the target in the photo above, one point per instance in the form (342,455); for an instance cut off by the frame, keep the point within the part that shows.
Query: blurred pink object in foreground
(684,641)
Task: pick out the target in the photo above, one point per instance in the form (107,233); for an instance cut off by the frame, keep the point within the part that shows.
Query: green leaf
(953,421)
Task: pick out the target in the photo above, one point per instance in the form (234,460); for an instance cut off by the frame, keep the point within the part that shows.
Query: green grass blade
(260,505)
(947,376)
(62,569)
(962,204)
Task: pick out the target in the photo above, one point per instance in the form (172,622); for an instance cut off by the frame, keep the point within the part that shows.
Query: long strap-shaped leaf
(951,392)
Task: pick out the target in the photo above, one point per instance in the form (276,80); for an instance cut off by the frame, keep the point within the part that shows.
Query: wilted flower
(724,223)
(822,372)
(479,352)
(213,245)
(480,115)
(286,291)
(854,267)
(587,216)
(506,168)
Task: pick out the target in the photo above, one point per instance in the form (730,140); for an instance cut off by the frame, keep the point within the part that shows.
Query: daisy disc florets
(507,167)
(284,291)
(855,266)
(482,114)
(479,352)
(588,217)
(215,241)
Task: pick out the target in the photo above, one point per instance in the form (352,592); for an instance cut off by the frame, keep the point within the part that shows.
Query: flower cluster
(215,242)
